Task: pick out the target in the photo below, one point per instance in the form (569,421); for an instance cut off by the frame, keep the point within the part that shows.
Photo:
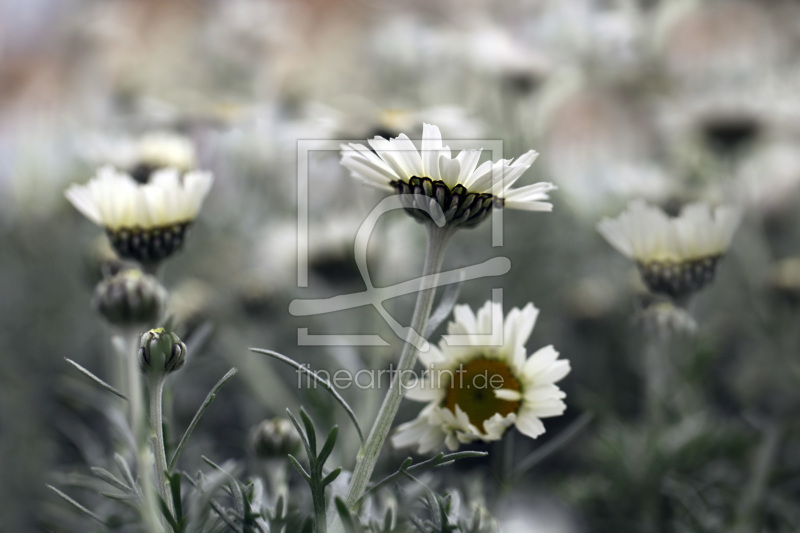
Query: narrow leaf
(75,504)
(347,518)
(325,384)
(331,477)
(110,478)
(296,464)
(94,378)
(175,490)
(170,519)
(209,399)
(445,307)
(553,445)
(311,433)
(311,453)
(125,469)
(327,448)
(406,468)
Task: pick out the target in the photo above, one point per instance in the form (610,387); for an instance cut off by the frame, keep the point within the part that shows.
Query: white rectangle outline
(306,146)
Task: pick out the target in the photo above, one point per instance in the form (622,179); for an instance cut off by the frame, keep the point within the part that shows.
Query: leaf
(170,519)
(110,478)
(310,433)
(331,477)
(296,464)
(76,505)
(445,307)
(311,453)
(97,380)
(406,468)
(125,469)
(209,399)
(552,446)
(175,491)
(349,523)
(325,384)
(327,448)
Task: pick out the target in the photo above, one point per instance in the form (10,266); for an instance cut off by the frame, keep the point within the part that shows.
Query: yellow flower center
(472,387)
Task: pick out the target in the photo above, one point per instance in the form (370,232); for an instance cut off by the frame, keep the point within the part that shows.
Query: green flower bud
(130,298)
(275,438)
(161,351)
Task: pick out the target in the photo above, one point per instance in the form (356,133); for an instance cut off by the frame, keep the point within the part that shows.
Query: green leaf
(175,490)
(209,399)
(327,448)
(110,478)
(122,464)
(170,519)
(331,477)
(77,506)
(296,464)
(406,468)
(311,454)
(310,433)
(325,384)
(552,446)
(348,521)
(97,380)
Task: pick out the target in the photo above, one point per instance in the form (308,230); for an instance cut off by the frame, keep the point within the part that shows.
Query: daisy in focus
(464,190)
(480,382)
(146,222)
(675,255)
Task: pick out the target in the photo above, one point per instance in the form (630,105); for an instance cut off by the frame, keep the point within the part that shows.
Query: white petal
(528,424)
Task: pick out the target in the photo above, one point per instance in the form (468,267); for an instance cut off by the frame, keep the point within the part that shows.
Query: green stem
(155,384)
(654,382)
(130,347)
(320,524)
(134,392)
(747,518)
(503,453)
(368,455)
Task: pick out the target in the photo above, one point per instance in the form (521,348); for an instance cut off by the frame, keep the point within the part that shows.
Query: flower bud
(664,319)
(275,438)
(161,351)
(130,298)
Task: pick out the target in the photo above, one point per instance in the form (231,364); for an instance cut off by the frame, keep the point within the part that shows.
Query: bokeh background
(671,101)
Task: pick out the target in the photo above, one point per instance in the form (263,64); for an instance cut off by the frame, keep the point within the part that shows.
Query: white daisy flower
(480,381)
(146,222)
(464,190)
(165,150)
(142,156)
(677,255)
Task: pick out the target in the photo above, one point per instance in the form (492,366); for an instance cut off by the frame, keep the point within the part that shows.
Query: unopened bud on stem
(130,298)
(275,438)
(161,352)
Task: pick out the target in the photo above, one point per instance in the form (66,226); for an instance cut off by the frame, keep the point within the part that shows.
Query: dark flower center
(678,278)
(148,245)
(726,135)
(472,387)
(460,207)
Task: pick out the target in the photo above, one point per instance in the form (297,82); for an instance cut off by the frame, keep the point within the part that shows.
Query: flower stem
(155,384)
(129,343)
(368,455)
